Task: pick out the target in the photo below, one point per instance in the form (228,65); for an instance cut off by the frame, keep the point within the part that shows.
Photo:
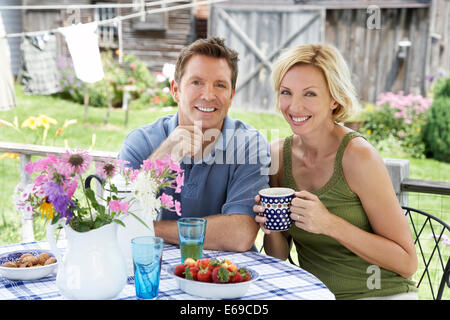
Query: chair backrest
(432,240)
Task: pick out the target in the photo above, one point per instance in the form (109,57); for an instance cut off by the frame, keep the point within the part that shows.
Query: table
(278,280)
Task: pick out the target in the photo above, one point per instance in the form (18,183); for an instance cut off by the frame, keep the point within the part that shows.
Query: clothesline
(89,6)
(119,19)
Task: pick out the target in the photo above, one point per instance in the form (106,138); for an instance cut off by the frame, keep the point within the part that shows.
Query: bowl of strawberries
(213,278)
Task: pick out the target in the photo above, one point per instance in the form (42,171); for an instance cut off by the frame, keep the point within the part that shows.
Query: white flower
(145,188)
(23,199)
(169,71)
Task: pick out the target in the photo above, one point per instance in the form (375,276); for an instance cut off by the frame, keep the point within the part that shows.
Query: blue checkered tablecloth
(278,280)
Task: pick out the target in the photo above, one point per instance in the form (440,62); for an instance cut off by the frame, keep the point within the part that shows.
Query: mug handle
(51,239)
(87,182)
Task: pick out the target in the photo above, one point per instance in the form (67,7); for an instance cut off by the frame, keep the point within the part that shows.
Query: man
(224,160)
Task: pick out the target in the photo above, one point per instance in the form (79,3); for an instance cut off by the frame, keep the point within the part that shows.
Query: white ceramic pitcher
(133,227)
(93,266)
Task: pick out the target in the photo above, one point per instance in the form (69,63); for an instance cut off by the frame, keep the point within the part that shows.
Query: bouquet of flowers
(59,192)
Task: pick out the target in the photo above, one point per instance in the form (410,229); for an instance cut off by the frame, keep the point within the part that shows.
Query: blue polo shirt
(223,182)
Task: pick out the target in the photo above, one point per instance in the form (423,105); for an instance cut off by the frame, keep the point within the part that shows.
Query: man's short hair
(211,47)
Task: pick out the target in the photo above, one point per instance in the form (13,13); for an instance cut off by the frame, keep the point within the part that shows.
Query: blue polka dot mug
(277,202)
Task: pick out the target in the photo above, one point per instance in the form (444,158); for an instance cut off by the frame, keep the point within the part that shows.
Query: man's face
(204,94)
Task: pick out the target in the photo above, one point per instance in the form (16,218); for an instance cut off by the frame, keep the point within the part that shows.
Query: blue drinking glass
(191,234)
(147,257)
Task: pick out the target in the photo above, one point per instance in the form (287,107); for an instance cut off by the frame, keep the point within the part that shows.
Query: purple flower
(59,199)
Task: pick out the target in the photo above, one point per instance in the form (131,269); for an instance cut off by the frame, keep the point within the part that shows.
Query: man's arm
(233,232)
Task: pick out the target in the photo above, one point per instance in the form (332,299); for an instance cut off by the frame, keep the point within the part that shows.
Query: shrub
(441,88)
(132,71)
(437,129)
(397,116)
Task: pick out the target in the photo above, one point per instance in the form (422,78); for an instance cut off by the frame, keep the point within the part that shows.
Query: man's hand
(183,141)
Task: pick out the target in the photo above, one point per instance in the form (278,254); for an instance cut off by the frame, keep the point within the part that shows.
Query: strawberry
(245,274)
(191,273)
(232,268)
(221,275)
(214,263)
(203,262)
(236,277)
(179,270)
(204,274)
(189,262)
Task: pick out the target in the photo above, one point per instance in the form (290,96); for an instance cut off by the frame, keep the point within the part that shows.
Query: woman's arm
(390,246)
(275,243)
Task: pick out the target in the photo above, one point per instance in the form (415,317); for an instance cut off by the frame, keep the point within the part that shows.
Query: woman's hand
(309,213)
(275,243)
(260,219)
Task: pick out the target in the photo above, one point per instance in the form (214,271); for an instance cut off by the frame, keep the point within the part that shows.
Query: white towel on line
(82,41)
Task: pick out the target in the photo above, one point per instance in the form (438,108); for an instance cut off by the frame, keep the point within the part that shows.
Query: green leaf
(140,220)
(113,188)
(119,222)
(90,194)
(188,274)
(55,219)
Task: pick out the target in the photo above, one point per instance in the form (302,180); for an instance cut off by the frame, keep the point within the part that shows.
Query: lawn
(108,137)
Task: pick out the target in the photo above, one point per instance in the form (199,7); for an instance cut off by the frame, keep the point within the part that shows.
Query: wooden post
(398,171)
(108,111)
(86,103)
(126,99)
(25,178)
(120,40)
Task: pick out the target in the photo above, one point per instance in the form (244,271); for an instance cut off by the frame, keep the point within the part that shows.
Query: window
(149,22)
(107,33)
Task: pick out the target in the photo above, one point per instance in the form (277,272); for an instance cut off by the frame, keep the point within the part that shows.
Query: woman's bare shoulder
(276,154)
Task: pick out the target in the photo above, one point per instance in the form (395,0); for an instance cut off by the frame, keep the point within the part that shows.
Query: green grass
(110,136)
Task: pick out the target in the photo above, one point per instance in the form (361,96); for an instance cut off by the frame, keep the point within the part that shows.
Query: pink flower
(132,66)
(178,208)
(29,168)
(117,206)
(179,180)
(130,173)
(131,80)
(107,168)
(167,200)
(175,166)
(76,161)
(71,187)
(148,165)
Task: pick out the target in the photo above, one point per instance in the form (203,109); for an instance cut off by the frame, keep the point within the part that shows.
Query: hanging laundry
(82,41)
(39,71)
(7,94)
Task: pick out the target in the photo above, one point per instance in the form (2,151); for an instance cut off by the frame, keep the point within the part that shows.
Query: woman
(349,228)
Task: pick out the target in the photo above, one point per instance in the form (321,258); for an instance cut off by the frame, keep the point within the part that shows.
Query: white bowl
(31,273)
(214,290)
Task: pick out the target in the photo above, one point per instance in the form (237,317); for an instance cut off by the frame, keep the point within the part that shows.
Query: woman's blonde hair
(333,66)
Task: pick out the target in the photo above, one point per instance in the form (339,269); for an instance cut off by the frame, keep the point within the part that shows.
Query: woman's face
(305,99)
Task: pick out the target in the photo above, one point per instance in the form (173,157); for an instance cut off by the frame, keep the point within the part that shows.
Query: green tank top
(347,275)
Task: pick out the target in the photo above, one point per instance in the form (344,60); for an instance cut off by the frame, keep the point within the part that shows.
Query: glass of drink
(191,234)
(147,257)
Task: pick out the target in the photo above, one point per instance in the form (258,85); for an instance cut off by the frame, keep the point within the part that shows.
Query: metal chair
(424,225)
(440,231)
